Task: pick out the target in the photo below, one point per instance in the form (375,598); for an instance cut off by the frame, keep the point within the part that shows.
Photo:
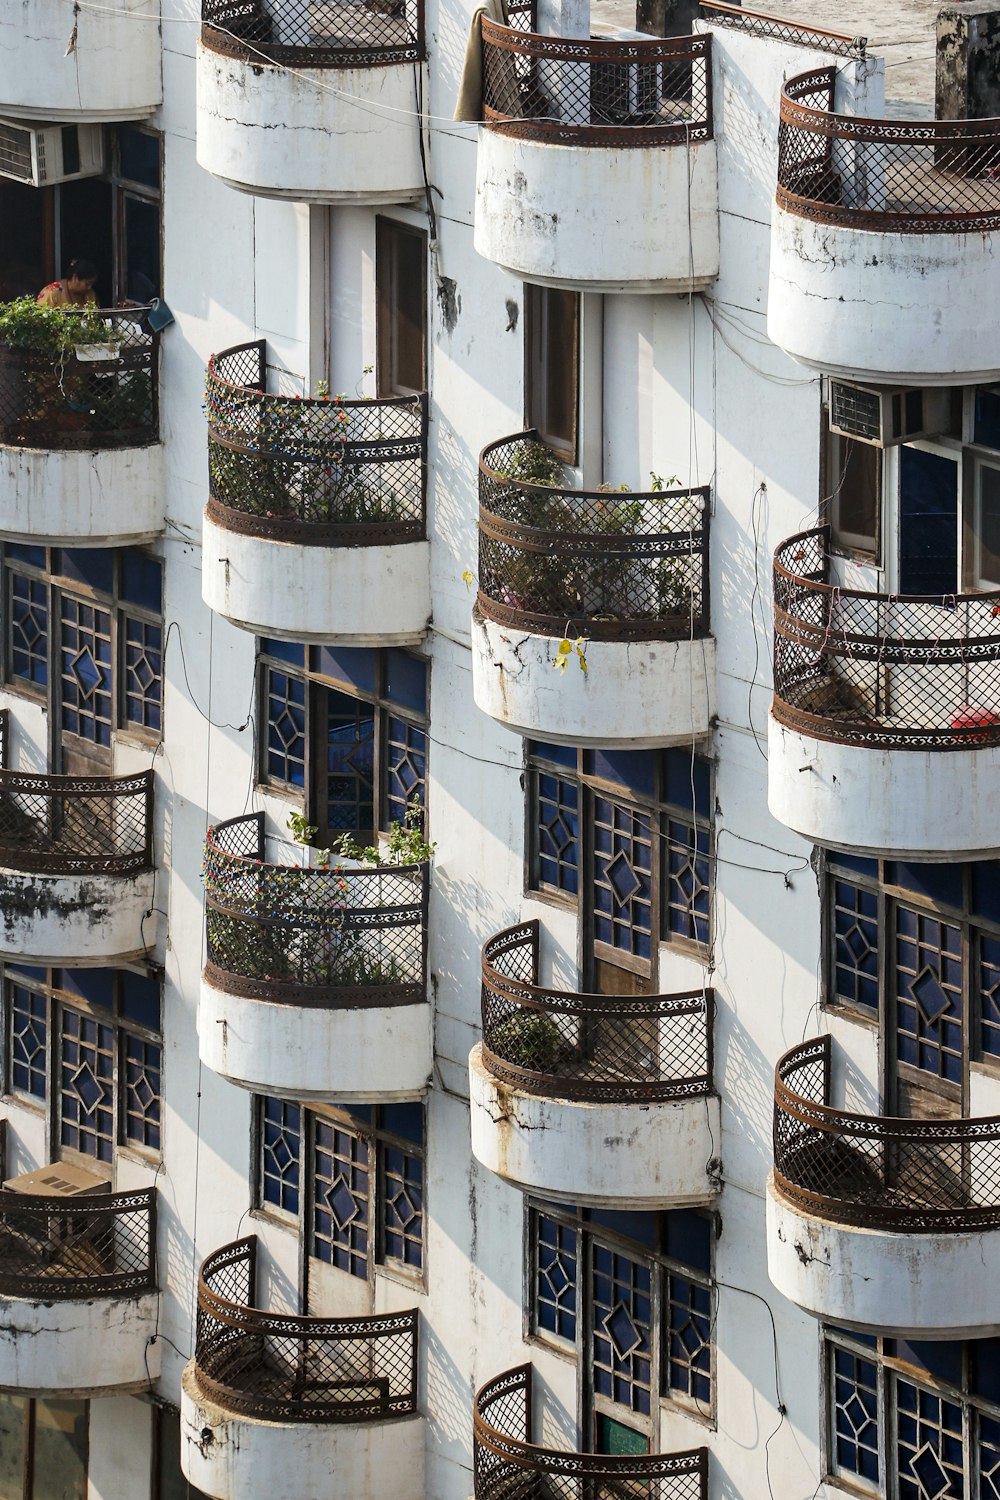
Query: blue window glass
(286,728)
(341,1184)
(687,880)
(292,652)
(855,945)
(940,883)
(143,647)
(854,1399)
(29,629)
(86,1070)
(623,889)
(989,1458)
(987,419)
(689,1339)
(929,1448)
(354,666)
(635,770)
(688,1238)
(281,1127)
(85,670)
(680,769)
(640,1227)
(989,995)
(985,897)
(854,863)
(96,986)
(557,833)
(984,1371)
(404,1120)
(559,755)
(555,1308)
(28,1041)
(350,764)
(406,769)
(33,557)
(142,580)
(621,1333)
(140,999)
(928,993)
(941,1359)
(143,1068)
(94,566)
(406,680)
(403,1206)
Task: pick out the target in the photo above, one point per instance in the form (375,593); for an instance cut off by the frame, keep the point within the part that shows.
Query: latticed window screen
(281,1149)
(652,843)
(928,938)
(107,1057)
(914,1421)
(645,1325)
(341,1180)
(87,631)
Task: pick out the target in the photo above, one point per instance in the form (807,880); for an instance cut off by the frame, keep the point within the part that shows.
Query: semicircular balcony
(315,100)
(110,72)
(602,1100)
(507,1463)
(80,454)
(288,1406)
(596,165)
(879,1222)
(76,866)
(315,981)
(882,242)
(78,1297)
(623,574)
(315,528)
(884,732)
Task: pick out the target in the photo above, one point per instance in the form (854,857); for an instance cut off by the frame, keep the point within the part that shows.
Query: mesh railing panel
(608,1048)
(284,1368)
(318,472)
(907,176)
(878,1172)
(597,93)
(4,737)
(779,29)
(312,937)
(315,33)
(610,565)
(90,394)
(76,824)
(61,1248)
(509,1467)
(891,671)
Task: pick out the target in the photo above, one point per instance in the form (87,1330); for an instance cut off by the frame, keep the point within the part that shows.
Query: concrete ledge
(913,1285)
(233,1457)
(600,1155)
(353,596)
(79,919)
(109,497)
(912,804)
(85,1347)
(646,692)
(299,1052)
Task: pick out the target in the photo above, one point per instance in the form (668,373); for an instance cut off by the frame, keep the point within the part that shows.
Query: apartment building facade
(588,509)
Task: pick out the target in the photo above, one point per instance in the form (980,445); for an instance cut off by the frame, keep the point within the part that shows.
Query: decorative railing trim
(51,800)
(92,1230)
(763,24)
(241,29)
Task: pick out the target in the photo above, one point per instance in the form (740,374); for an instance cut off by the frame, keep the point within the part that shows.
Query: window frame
(389,233)
(540,365)
(835,456)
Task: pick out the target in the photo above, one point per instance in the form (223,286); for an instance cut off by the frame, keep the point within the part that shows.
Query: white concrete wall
(110,498)
(98,64)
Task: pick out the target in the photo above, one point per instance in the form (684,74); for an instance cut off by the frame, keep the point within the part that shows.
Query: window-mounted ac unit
(885,415)
(621,91)
(62,1179)
(40,155)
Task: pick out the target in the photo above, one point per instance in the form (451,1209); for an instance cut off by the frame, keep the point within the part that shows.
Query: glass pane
(989,524)
(142,250)
(60,1458)
(406,680)
(139,156)
(142,580)
(12,1416)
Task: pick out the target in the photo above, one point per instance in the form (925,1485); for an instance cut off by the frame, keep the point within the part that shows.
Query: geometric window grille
(29,629)
(85,655)
(856,944)
(406,767)
(281,1143)
(558,832)
(143,1065)
(286,728)
(621,1331)
(87,1111)
(555,1277)
(28,1041)
(929,993)
(623,890)
(687,887)
(143,673)
(689,1322)
(403,1199)
(340,1185)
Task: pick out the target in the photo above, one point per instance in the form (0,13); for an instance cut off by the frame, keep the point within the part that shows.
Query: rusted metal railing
(507,1463)
(896,671)
(324,472)
(311,937)
(285,1368)
(605,1048)
(92,1245)
(879,1172)
(76,825)
(96,387)
(779,28)
(608,564)
(904,176)
(315,33)
(594,92)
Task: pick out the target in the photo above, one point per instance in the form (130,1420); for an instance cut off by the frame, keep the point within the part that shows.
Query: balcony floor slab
(79,919)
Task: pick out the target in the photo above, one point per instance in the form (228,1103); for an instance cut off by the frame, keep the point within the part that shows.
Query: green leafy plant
(529,1040)
(405,845)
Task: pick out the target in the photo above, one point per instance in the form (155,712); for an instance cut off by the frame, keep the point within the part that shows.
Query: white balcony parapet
(98,64)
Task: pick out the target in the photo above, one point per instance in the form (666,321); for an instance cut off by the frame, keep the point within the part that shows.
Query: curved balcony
(625,572)
(885,728)
(315,982)
(315,528)
(111,72)
(76,866)
(596,166)
(593,1099)
(78,1294)
(80,456)
(876,1222)
(507,1462)
(279,80)
(285,1406)
(882,242)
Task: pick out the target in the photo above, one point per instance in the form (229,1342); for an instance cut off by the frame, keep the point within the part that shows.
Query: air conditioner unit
(621,91)
(886,416)
(41,155)
(62,1179)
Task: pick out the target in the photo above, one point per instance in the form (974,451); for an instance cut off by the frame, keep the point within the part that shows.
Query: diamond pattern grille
(875,669)
(76,824)
(298,1369)
(576,1046)
(608,565)
(315,33)
(58,1248)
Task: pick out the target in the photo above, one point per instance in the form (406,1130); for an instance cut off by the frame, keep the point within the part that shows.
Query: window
(551,367)
(851,482)
(346,729)
(647,816)
(631,1295)
(401,284)
(352,1176)
(86,1043)
(986,528)
(84,631)
(43,1449)
(914,1421)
